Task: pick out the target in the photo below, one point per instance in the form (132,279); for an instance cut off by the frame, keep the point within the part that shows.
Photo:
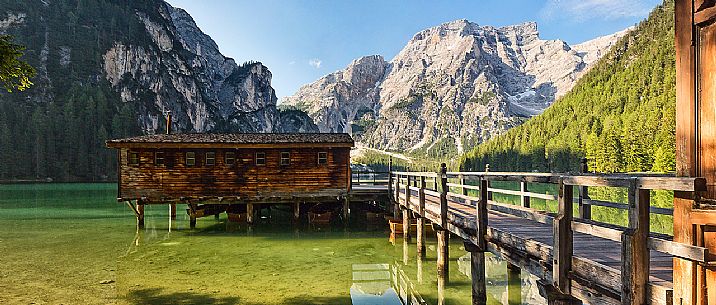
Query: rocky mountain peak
(451,87)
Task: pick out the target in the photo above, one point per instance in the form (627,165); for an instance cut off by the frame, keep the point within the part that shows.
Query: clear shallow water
(74,244)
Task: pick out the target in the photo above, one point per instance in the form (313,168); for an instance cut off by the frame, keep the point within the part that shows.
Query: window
(210,158)
(133,158)
(159,158)
(260,158)
(190,158)
(285,158)
(229,158)
(322,158)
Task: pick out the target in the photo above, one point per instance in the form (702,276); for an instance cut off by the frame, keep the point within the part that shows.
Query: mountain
(110,68)
(451,87)
(620,115)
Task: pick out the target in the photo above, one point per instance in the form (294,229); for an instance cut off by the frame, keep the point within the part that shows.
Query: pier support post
(140,215)
(406,225)
(477,272)
(585,208)
(346,209)
(420,231)
(297,212)
(563,247)
(514,285)
(443,237)
(250,213)
(173,211)
(192,215)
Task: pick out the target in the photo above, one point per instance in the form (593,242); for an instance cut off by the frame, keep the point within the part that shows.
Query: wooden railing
(474,190)
(370,178)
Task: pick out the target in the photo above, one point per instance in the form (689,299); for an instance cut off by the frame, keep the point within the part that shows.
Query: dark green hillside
(57,128)
(620,115)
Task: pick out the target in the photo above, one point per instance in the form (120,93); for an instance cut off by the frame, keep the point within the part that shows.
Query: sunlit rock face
(454,85)
(182,70)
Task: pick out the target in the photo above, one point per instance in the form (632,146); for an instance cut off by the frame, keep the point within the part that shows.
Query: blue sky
(302,40)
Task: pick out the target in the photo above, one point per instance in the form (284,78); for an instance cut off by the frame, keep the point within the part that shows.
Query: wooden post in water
(140,214)
(346,209)
(442,233)
(296,212)
(420,232)
(585,208)
(192,215)
(406,224)
(477,273)
(514,285)
(173,211)
(563,247)
(635,252)
(250,213)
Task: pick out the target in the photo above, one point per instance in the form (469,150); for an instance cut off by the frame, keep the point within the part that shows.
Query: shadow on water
(157,296)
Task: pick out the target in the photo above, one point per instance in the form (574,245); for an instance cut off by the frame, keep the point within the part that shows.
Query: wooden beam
(443,257)
(563,243)
(524,199)
(406,224)
(421,220)
(635,252)
(481,216)
(443,196)
(477,273)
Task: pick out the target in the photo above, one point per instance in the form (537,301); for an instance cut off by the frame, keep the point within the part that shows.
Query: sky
(302,40)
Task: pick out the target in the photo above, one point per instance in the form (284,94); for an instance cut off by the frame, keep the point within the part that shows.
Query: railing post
(489,193)
(481,215)
(563,247)
(443,196)
(585,208)
(524,199)
(390,175)
(462,183)
(635,252)
(396,206)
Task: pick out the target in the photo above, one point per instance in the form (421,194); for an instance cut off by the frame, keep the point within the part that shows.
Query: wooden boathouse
(211,172)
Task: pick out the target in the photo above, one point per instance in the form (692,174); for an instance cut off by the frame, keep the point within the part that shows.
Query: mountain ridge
(452,86)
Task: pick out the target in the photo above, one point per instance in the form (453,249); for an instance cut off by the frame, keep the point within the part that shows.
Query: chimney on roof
(169,121)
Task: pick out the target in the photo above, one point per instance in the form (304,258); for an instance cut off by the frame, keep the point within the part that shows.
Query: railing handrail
(651,182)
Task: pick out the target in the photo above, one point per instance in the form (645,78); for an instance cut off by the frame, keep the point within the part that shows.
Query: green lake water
(74,244)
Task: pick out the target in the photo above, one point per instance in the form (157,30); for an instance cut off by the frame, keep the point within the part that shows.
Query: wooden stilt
(442,280)
(554,296)
(419,275)
(406,225)
(514,285)
(296,211)
(173,210)
(140,215)
(406,252)
(250,213)
(346,209)
(477,272)
(420,237)
(192,215)
(443,252)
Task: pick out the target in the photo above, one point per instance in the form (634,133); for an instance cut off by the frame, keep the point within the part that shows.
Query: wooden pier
(579,260)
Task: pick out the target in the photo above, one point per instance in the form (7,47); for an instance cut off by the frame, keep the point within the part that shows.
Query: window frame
(133,158)
(213,158)
(287,158)
(227,158)
(257,158)
(325,158)
(187,158)
(157,158)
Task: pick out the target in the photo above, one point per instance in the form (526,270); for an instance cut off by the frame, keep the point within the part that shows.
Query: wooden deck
(525,237)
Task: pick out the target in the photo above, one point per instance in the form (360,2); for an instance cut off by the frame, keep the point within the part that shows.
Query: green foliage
(620,115)
(15,74)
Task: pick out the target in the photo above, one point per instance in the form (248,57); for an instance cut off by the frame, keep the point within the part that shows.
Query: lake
(74,244)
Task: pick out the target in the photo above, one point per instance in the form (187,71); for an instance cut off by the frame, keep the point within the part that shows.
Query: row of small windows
(229,158)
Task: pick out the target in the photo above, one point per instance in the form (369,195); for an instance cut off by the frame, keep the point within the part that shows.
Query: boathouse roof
(237,138)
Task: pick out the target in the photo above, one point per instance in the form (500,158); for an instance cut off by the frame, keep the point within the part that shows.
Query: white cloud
(582,10)
(316,63)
